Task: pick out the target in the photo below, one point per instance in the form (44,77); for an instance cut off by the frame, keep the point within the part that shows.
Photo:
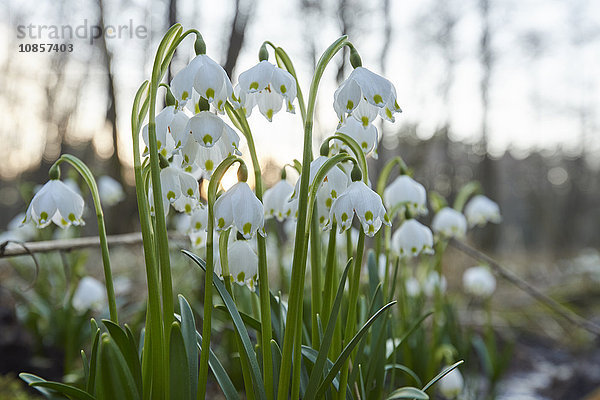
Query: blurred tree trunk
(114,164)
(239,26)
(172,21)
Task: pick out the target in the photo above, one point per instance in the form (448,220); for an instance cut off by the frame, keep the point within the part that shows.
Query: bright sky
(536,102)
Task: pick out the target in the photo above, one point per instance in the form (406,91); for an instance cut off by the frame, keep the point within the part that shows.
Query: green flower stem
(330,261)
(160,233)
(263,275)
(223,242)
(210,267)
(154,329)
(85,172)
(290,346)
(315,274)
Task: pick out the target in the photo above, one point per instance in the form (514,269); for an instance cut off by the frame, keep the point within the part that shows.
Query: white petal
(269,103)
(365,113)
(248,214)
(209,79)
(256,78)
(366,137)
(206,128)
(275,199)
(283,83)
(346,98)
(376,89)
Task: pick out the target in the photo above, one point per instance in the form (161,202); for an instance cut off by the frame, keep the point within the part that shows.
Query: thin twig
(11,249)
(558,308)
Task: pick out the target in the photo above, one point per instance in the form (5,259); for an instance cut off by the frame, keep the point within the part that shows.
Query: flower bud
(163,162)
(355,59)
(54,172)
(169,98)
(203,104)
(199,45)
(263,54)
(356,173)
(242,173)
(324,150)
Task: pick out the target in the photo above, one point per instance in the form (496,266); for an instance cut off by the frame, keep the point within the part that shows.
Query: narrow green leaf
(442,374)
(114,379)
(250,321)
(128,350)
(239,325)
(30,379)
(91,383)
(408,392)
(406,370)
(317,371)
(86,367)
(70,391)
(348,350)
(180,385)
(188,331)
(276,355)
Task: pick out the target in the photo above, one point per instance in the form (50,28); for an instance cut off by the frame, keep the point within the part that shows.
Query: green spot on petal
(188,208)
(388,113)
(198,226)
(350,105)
(377,99)
(210,93)
(207,139)
(369,216)
(365,121)
(269,114)
(221,223)
(364,145)
(209,164)
(344,217)
(190,192)
(283,89)
(254,85)
(185,95)
(247,228)
(72,217)
(241,276)
(171,195)
(328,202)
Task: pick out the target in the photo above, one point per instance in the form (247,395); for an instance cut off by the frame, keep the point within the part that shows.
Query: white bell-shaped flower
(180,189)
(480,210)
(199,219)
(412,239)
(451,385)
(276,198)
(368,94)
(89,295)
(360,199)
(268,86)
(243,263)
(239,207)
(111,191)
(365,136)
(55,202)
(449,223)
(207,77)
(406,193)
(434,282)
(164,141)
(206,128)
(479,281)
(334,183)
(412,287)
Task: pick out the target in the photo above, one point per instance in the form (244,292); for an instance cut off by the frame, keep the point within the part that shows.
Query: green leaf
(179,372)
(406,370)
(128,350)
(250,321)
(114,380)
(30,379)
(408,392)
(442,374)
(348,350)
(70,391)
(239,325)
(91,383)
(319,363)
(276,355)
(188,331)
